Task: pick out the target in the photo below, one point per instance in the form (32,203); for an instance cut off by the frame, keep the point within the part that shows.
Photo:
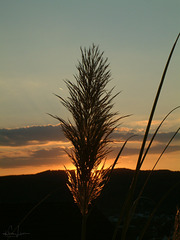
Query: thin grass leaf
(133,208)
(139,163)
(155,133)
(32,210)
(108,171)
(117,158)
(128,202)
(144,229)
(147,179)
(176,234)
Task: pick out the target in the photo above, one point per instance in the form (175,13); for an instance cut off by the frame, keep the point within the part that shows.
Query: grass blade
(128,202)
(144,229)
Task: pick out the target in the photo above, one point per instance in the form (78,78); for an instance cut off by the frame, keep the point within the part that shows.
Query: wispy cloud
(44,145)
(31,135)
(35,158)
(122,134)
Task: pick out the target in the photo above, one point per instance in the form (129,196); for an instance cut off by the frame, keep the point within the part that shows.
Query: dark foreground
(43,207)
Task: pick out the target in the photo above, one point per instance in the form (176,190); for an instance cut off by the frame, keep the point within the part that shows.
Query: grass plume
(90,105)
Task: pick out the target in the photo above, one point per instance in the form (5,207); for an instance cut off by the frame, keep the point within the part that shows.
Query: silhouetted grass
(93,122)
(90,105)
(130,204)
(176,235)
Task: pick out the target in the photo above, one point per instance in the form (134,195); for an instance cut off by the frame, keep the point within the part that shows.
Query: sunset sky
(40,44)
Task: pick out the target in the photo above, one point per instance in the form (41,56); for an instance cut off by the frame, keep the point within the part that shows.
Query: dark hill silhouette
(57,217)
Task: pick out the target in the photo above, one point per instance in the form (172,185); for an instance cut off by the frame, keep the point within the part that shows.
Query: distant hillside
(19,194)
(32,188)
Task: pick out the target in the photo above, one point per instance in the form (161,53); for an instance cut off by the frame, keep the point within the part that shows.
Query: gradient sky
(40,46)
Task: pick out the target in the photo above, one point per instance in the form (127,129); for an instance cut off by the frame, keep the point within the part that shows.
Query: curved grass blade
(131,213)
(144,229)
(126,208)
(33,208)
(119,154)
(155,133)
(109,171)
(139,163)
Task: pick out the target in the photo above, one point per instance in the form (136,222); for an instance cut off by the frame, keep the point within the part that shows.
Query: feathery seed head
(90,104)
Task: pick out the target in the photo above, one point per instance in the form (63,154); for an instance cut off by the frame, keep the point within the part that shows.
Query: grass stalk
(126,209)
(90,105)
(176,234)
(84,226)
(147,179)
(133,208)
(144,229)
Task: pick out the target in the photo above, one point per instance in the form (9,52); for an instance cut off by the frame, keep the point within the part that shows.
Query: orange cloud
(42,147)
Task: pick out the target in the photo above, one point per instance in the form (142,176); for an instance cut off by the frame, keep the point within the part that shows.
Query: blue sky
(40,43)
